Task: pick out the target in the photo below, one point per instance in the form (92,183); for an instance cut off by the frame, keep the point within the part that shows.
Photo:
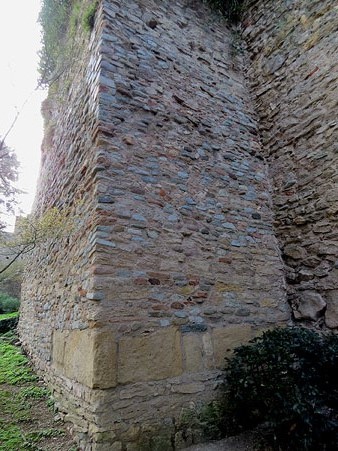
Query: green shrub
(89,16)
(287,380)
(207,418)
(8,304)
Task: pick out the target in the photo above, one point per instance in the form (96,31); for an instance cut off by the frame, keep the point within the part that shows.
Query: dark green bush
(8,304)
(287,380)
(232,9)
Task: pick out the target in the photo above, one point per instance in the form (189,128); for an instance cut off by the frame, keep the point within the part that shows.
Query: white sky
(19,44)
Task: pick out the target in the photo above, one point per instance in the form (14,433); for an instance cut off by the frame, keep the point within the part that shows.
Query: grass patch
(26,420)
(34,392)
(8,337)
(11,438)
(9,315)
(14,368)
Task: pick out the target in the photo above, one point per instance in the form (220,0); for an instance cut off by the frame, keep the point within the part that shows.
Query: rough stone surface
(311,306)
(291,47)
(331,317)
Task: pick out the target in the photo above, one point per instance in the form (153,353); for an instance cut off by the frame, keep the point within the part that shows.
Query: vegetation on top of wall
(232,9)
(286,380)
(53,18)
(88,19)
(59,21)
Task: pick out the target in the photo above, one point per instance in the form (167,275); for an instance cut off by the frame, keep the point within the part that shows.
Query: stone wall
(59,269)
(153,147)
(292,47)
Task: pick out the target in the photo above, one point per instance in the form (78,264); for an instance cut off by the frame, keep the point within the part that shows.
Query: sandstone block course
(226,339)
(150,357)
(86,356)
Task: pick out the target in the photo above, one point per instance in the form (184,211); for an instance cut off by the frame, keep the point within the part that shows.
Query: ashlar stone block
(149,357)
(87,356)
(226,339)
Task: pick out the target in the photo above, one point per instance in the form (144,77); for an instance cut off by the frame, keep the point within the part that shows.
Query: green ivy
(89,16)
(287,380)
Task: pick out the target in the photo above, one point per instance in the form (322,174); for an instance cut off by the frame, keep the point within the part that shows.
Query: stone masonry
(293,47)
(186,243)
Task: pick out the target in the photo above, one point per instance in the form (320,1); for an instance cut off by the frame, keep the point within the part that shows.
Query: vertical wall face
(187,236)
(293,47)
(57,286)
(173,261)
(187,264)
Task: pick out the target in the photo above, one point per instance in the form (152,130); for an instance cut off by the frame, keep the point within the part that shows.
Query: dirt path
(243,442)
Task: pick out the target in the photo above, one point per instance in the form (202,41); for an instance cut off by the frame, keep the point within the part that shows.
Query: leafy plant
(50,226)
(286,379)
(9,173)
(59,21)
(10,280)
(89,16)
(207,418)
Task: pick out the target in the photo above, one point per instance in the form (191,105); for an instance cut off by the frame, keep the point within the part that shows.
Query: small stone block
(193,351)
(58,354)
